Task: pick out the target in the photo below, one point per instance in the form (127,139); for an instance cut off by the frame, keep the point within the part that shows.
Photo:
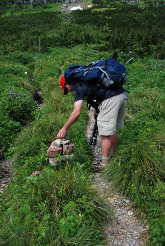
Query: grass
(16,10)
(137,168)
(58,207)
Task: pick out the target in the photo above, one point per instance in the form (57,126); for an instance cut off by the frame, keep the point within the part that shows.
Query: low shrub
(17,104)
(8,131)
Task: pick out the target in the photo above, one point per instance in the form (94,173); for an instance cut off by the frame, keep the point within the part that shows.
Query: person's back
(93,91)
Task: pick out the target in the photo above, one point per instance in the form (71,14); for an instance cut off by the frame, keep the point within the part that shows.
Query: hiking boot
(98,166)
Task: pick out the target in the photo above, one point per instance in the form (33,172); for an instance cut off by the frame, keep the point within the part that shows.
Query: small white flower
(25,72)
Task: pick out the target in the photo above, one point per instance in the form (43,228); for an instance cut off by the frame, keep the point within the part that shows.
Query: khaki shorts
(111,115)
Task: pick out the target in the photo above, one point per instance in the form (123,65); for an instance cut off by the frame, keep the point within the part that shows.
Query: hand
(61,133)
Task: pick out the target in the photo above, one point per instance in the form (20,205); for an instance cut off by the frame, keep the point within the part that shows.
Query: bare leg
(108,144)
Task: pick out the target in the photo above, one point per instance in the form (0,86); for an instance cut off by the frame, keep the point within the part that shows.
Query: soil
(5,174)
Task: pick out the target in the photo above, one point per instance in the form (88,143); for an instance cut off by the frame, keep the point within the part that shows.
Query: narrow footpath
(5,174)
(124,228)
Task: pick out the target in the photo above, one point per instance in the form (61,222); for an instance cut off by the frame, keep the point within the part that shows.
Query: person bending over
(111,104)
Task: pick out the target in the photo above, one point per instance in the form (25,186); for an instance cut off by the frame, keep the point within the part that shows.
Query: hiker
(111,104)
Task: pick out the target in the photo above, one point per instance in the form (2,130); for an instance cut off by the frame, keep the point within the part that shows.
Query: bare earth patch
(5,174)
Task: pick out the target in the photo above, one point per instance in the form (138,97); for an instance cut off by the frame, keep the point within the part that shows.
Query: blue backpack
(106,73)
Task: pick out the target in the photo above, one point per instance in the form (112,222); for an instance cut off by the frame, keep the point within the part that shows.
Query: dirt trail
(125,228)
(5,174)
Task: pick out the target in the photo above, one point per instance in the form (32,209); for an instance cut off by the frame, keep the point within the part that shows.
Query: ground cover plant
(138,168)
(16,96)
(120,27)
(58,207)
(127,28)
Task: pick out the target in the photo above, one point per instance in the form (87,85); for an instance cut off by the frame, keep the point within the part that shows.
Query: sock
(105,159)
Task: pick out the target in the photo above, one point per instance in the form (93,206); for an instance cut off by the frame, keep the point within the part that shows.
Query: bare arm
(73,117)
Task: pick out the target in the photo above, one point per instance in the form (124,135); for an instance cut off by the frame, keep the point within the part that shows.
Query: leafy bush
(16,89)
(17,104)
(122,27)
(24,58)
(8,130)
(15,69)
